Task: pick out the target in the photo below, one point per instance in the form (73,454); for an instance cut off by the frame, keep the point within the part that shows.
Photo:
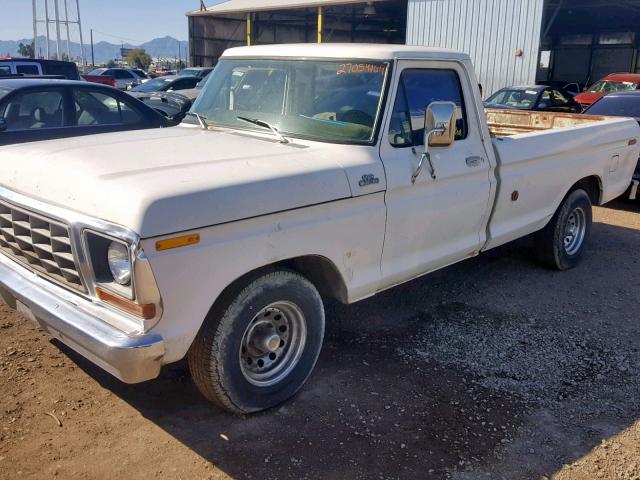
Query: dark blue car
(621,104)
(33,109)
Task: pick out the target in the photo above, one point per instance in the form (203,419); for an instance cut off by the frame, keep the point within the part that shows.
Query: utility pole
(80,31)
(46,21)
(57,15)
(35,30)
(66,23)
(93,60)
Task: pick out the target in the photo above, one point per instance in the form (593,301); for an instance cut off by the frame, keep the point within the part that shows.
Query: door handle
(474,161)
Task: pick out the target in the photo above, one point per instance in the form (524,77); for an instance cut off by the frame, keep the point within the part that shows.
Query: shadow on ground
(398,393)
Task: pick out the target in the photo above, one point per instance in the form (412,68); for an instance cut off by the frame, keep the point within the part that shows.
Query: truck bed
(540,155)
(504,123)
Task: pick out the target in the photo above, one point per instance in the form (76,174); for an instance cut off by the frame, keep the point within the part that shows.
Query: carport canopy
(253,22)
(246,6)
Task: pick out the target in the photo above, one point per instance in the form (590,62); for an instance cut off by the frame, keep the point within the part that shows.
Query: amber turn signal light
(177,242)
(146,311)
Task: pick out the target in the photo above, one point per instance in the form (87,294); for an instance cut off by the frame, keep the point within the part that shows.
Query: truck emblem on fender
(368,179)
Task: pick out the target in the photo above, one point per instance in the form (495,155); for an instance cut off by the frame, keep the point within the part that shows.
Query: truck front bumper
(131,358)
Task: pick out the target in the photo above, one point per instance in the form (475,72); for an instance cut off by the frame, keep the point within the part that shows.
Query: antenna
(41,11)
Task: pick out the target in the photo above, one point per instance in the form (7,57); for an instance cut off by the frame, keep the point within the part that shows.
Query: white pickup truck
(304,172)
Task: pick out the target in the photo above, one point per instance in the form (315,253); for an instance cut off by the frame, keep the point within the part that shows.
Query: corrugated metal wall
(490,31)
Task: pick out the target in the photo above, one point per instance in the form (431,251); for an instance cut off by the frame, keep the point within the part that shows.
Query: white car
(321,171)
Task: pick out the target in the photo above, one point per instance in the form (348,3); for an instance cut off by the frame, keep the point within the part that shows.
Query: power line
(119,37)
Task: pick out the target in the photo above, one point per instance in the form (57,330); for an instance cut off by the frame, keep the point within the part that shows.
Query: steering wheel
(355,116)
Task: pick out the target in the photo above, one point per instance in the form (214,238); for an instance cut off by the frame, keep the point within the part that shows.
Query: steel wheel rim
(272,343)
(574,231)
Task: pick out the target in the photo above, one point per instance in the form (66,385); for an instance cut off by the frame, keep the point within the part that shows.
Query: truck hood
(163,181)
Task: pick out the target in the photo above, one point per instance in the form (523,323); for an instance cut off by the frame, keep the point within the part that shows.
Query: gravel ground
(493,368)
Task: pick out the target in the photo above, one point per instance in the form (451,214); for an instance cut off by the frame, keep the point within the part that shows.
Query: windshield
(607,86)
(97,71)
(321,100)
(155,85)
(619,106)
(514,98)
(4,92)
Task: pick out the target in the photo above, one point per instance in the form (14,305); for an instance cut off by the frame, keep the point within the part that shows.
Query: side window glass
(28,69)
(68,70)
(97,108)
(400,132)
(545,98)
(559,99)
(416,90)
(33,110)
(184,83)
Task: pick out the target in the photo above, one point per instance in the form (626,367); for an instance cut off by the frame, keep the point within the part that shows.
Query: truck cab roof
(347,51)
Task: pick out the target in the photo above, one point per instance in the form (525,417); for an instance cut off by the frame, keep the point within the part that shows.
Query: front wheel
(258,350)
(561,243)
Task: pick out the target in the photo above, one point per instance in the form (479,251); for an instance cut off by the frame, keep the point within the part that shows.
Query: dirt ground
(493,368)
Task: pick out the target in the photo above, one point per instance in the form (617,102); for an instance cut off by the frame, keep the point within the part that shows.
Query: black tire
(550,241)
(219,364)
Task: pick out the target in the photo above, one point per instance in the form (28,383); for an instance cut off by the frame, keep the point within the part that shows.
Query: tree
(111,64)
(139,58)
(180,65)
(26,50)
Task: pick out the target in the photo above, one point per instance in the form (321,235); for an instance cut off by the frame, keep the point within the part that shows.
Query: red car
(616,82)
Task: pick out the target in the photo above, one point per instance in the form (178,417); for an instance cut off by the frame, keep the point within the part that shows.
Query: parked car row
(33,109)
(40,108)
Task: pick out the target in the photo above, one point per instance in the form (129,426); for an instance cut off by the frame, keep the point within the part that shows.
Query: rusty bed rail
(503,123)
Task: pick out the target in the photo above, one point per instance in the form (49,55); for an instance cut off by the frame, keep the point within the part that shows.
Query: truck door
(435,221)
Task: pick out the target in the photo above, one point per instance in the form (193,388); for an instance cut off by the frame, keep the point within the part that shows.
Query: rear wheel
(258,350)
(561,243)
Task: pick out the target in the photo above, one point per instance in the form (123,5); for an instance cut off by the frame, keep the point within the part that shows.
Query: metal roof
(373,51)
(238,6)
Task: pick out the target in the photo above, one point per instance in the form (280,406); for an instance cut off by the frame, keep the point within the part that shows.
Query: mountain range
(165,48)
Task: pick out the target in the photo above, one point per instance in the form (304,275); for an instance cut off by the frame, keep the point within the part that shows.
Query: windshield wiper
(202,120)
(262,123)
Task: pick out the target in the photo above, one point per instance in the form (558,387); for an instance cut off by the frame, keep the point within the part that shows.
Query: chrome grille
(39,243)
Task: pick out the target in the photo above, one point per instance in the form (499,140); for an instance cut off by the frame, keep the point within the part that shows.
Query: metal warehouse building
(510,41)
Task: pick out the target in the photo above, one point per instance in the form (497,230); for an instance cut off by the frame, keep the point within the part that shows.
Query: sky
(115,21)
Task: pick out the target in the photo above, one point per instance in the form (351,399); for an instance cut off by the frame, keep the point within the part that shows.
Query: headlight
(122,277)
(112,263)
(119,262)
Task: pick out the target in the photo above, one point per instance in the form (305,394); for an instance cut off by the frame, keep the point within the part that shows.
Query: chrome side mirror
(3,124)
(440,124)
(439,131)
